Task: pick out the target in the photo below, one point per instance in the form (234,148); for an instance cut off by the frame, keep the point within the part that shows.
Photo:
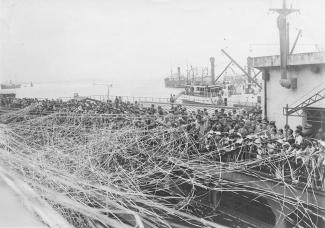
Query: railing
(194,99)
(209,100)
(143,99)
(202,102)
(113,97)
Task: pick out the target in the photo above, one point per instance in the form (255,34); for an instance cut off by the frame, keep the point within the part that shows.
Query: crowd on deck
(234,132)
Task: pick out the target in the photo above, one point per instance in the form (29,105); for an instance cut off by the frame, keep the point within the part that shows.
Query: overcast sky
(49,40)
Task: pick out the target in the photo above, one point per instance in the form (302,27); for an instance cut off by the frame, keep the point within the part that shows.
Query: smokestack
(212,70)
(284,50)
(283,27)
(179,73)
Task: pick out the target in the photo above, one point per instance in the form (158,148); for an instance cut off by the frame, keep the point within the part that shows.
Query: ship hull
(242,100)
(186,101)
(11,86)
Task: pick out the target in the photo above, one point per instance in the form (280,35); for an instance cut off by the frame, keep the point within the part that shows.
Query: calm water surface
(133,88)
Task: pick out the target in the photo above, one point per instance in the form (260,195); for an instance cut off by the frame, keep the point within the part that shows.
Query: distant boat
(10,86)
(176,80)
(27,84)
(174,83)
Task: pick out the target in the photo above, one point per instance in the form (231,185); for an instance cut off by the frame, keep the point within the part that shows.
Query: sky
(75,40)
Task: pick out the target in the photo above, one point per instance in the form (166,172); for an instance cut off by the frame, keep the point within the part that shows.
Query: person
(298,137)
(206,121)
(280,134)
(152,110)
(171,99)
(286,130)
(271,126)
(205,111)
(117,101)
(299,128)
(290,137)
(321,167)
(219,101)
(273,134)
(160,111)
(243,131)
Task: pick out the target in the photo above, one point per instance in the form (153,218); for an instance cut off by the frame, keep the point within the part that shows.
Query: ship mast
(212,80)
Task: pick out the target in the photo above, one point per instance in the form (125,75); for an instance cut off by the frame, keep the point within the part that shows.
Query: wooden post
(287,108)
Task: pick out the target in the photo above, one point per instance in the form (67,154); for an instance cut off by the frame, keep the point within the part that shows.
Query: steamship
(233,91)
(220,95)
(179,80)
(176,80)
(10,85)
(171,82)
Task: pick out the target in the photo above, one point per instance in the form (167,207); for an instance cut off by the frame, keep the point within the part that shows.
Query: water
(134,88)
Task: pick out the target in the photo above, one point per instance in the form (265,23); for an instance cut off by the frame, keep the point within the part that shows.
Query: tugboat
(230,92)
(201,94)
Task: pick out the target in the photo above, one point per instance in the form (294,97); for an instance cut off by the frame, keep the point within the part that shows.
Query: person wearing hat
(280,134)
(299,128)
(198,121)
(286,130)
(258,128)
(205,111)
(273,133)
(171,99)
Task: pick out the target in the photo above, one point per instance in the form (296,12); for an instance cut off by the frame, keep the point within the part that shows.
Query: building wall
(301,59)
(309,82)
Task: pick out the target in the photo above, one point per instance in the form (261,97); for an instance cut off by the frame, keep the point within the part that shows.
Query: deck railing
(124,98)
(154,100)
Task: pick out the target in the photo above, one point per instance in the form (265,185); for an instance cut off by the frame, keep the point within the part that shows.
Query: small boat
(219,95)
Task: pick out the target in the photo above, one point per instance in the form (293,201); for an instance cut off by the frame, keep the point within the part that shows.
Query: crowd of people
(237,134)
(79,106)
